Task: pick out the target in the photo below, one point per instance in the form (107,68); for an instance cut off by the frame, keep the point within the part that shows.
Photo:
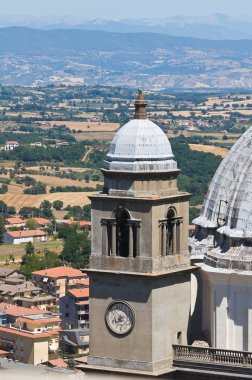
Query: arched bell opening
(170,241)
(122,217)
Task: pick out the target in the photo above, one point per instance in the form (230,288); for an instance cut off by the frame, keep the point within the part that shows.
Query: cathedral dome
(140,145)
(228,206)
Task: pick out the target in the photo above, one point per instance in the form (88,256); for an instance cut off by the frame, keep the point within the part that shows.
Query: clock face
(120,317)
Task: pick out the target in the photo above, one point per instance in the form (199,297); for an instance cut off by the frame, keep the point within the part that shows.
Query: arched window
(170,232)
(122,232)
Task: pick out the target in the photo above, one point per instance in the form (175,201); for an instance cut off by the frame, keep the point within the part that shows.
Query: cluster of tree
(70,153)
(33,261)
(74,189)
(6,210)
(78,212)
(96,158)
(38,188)
(44,210)
(77,246)
(7,181)
(27,180)
(3,189)
(197,168)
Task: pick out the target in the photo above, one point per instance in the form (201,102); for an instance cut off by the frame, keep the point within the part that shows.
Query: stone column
(164,238)
(138,231)
(174,241)
(131,242)
(104,237)
(113,238)
(178,236)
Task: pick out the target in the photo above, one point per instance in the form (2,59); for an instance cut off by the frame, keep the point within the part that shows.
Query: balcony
(212,359)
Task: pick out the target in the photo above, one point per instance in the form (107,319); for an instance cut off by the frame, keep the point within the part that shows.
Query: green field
(19,250)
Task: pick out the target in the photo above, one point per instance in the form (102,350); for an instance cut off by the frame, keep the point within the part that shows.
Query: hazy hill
(150,60)
(214,26)
(19,40)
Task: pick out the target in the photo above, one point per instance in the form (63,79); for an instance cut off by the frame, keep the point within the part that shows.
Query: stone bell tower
(139,266)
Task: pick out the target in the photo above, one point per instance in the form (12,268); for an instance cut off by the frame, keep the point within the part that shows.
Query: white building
(19,237)
(11,145)
(222,245)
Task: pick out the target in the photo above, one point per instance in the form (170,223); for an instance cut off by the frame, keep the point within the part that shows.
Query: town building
(26,294)
(140,272)
(11,273)
(74,309)
(11,145)
(82,224)
(14,223)
(74,341)
(56,281)
(20,237)
(41,222)
(28,335)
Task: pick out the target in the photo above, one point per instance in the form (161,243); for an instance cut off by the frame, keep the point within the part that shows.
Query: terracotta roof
(38,321)
(11,142)
(82,223)
(2,352)
(29,334)
(84,281)
(40,220)
(83,359)
(30,233)
(79,293)
(59,363)
(58,272)
(14,220)
(18,311)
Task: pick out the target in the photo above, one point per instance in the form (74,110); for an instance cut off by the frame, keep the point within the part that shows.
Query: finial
(140,106)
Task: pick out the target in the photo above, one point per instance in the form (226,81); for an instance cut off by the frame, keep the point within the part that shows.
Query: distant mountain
(215,26)
(149,60)
(18,40)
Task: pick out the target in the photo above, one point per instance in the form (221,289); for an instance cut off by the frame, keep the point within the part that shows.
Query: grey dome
(140,145)
(228,206)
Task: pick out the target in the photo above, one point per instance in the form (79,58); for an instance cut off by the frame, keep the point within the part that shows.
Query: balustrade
(212,355)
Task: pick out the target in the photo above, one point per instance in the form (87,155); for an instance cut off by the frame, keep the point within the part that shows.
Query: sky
(119,9)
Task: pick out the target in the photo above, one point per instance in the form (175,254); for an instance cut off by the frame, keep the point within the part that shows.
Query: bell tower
(139,267)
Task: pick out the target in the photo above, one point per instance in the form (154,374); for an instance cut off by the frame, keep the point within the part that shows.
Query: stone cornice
(141,175)
(172,198)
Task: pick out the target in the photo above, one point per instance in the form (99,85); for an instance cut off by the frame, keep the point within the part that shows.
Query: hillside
(150,60)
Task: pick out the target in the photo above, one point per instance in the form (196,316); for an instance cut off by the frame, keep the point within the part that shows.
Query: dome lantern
(140,106)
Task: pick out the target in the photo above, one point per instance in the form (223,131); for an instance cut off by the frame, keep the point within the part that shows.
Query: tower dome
(140,145)
(228,206)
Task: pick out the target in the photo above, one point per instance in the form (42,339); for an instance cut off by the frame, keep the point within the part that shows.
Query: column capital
(134,222)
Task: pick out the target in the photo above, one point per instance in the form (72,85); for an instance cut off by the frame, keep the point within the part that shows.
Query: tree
(11,210)
(57,205)
(3,207)
(29,248)
(86,212)
(29,264)
(2,229)
(31,224)
(29,212)
(77,248)
(45,207)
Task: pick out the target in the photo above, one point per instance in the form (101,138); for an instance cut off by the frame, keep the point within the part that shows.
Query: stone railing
(212,356)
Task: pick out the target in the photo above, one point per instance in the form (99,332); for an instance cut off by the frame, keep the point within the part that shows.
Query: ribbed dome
(140,145)
(229,200)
